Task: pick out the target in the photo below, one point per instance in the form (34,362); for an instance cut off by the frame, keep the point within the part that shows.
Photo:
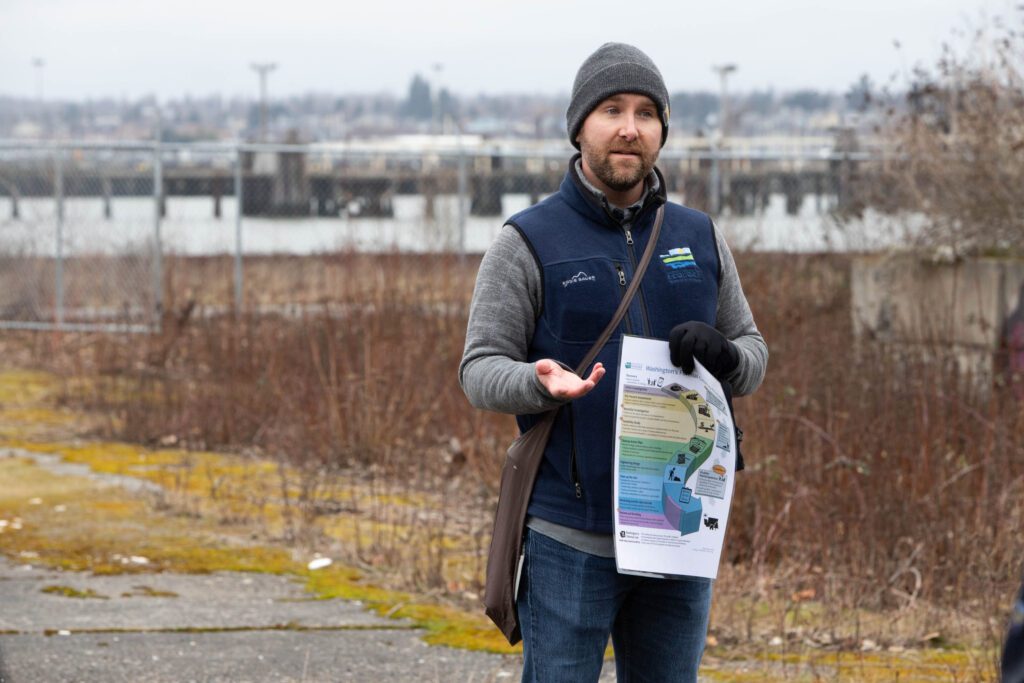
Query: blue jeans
(570,601)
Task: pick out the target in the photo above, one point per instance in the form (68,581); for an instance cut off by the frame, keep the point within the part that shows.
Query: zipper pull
(579,490)
(629,237)
(622,276)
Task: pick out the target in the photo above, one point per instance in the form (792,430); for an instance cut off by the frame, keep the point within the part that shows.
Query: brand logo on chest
(578,278)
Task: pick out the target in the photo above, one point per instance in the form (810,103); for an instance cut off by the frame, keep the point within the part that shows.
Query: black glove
(701,341)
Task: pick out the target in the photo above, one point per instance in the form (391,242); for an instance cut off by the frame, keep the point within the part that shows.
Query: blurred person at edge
(546,288)
(1013,650)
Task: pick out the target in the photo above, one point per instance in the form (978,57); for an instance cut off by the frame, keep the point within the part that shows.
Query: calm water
(189,228)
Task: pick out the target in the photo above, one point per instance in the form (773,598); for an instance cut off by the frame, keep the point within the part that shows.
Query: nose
(628,129)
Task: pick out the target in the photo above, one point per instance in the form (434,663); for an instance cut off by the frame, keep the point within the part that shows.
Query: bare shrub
(885,481)
(363,378)
(957,139)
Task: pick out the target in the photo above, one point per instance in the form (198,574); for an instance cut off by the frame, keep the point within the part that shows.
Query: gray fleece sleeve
(736,322)
(506,301)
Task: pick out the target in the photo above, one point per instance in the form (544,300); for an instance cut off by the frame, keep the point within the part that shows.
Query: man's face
(620,140)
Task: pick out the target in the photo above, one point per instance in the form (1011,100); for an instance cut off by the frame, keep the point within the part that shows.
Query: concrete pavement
(207,628)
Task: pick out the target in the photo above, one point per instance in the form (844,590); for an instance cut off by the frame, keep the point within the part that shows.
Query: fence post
(715,191)
(238,230)
(462,186)
(58,196)
(158,266)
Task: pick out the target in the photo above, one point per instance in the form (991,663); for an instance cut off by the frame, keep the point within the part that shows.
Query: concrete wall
(967,307)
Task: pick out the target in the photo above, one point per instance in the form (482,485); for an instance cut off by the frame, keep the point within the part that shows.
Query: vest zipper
(632,261)
(622,285)
(573,467)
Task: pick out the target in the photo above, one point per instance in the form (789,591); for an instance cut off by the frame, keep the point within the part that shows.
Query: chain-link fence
(100,236)
(79,242)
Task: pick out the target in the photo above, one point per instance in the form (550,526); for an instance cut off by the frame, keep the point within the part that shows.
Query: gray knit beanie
(612,69)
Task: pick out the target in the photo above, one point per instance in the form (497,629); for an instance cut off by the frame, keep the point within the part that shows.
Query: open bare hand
(564,384)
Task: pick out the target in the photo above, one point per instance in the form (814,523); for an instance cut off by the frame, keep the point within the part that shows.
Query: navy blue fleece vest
(585,264)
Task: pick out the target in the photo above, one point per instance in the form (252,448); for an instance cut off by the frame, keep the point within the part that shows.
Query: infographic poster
(675,465)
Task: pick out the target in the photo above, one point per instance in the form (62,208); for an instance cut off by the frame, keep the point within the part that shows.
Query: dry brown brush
(876,481)
(363,377)
(885,480)
(956,138)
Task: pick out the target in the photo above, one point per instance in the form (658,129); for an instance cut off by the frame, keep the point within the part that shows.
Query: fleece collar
(589,200)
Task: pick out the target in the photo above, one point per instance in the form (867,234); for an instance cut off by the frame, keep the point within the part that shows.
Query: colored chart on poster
(674,464)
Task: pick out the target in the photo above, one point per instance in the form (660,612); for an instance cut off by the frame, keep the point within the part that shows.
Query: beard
(618,177)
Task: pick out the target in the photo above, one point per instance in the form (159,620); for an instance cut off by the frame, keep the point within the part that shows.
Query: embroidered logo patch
(577,278)
(680,257)
(680,264)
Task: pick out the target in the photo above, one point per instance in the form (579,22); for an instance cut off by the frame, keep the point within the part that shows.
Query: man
(546,288)
(1013,649)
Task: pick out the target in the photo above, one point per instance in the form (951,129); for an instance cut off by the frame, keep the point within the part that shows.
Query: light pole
(438,117)
(723,71)
(263,69)
(38,63)
(719,180)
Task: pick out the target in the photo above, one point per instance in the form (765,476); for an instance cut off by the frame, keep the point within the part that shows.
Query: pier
(294,182)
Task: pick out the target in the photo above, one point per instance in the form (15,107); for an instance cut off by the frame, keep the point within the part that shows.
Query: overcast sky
(170,48)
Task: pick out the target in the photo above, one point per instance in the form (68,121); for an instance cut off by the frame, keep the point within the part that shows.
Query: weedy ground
(204,512)
(875,533)
(189,520)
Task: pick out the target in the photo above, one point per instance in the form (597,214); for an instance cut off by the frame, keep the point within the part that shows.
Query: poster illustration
(674,465)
